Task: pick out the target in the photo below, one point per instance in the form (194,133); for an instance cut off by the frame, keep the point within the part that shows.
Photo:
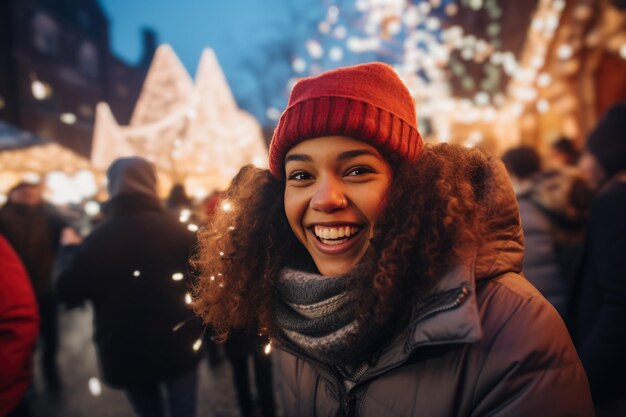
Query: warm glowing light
(40,90)
(68,118)
(558,5)
(565,52)
(192,227)
(622,51)
(95,388)
(268,348)
(188,299)
(227,206)
(172,133)
(482,98)
(473,139)
(185,214)
(177,276)
(221,253)
(543,105)
(136,273)
(197,344)
(476,4)
(544,80)
(92,208)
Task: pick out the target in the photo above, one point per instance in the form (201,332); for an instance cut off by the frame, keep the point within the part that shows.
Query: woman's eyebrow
(298,157)
(356,152)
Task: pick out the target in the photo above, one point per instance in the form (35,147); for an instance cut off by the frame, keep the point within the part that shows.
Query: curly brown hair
(432,221)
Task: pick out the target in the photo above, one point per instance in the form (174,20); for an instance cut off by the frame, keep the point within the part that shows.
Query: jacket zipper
(346,400)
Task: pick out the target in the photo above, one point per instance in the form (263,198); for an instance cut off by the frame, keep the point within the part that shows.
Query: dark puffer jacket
(126,269)
(541,265)
(489,345)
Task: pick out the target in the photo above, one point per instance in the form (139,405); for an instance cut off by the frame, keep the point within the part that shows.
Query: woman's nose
(328,196)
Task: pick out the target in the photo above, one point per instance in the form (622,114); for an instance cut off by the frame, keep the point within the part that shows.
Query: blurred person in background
(133,268)
(177,200)
(598,311)
(563,153)
(19,327)
(241,346)
(33,228)
(554,208)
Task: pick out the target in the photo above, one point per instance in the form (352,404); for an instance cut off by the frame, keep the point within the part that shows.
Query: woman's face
(336,188)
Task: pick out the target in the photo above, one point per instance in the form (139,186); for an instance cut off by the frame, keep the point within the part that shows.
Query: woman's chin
(335,267)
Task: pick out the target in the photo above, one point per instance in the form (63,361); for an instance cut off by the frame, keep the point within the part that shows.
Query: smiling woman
(386,273)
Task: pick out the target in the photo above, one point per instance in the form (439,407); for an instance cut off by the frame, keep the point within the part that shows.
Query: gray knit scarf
(317,317)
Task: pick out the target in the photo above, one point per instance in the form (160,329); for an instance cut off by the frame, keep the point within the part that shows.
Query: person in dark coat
(241,346)
(19,327)
(541,265)
(598,311)
(33,228)
(385,272)
(133,268)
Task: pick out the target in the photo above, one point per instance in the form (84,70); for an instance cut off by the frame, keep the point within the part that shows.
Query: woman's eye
(300,176)
(359,171)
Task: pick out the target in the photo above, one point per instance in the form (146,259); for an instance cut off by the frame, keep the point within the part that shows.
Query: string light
(268,348)
(197,345)
(544,80)
(227,206)
(68,118)
(192,227)
(177,276)
(95,388)
(565,52)
(188,299)
(185,214)
(543,105)
(136,273)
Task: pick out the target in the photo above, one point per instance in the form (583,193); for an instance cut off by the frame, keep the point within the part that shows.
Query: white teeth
(334,233)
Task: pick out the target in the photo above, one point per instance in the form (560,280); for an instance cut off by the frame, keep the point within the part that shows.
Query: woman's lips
(335,239)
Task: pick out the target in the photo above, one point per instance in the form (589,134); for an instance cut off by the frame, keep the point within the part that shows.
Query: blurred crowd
(132,264)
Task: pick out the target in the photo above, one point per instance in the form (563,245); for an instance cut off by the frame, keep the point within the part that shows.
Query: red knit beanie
(367,102)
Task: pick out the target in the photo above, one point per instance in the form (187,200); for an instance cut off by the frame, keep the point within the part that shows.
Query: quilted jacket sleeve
(531,367)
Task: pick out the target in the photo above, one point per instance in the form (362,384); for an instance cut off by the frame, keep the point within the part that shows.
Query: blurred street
(78,365)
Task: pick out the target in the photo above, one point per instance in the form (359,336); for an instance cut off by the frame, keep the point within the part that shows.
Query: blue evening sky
(254,39)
